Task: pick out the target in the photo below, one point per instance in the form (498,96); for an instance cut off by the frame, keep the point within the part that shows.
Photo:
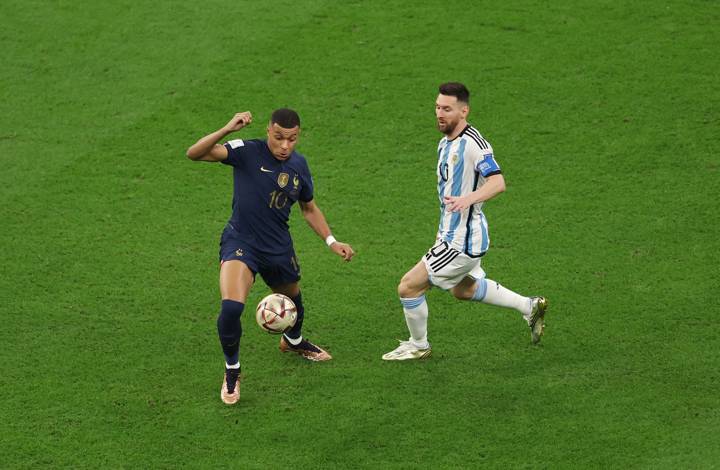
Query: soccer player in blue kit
(269,177)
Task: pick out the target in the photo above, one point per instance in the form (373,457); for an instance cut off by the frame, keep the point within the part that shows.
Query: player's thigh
(465,289)
(236,280)
(282,273)
(415,282)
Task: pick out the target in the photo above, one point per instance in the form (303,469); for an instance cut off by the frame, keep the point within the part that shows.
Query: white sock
(490,292)
(416,314)
(233,366)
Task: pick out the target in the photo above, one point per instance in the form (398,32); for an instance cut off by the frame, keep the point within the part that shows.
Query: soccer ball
(276,313)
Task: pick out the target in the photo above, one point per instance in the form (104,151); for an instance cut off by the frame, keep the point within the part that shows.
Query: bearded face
(449,113)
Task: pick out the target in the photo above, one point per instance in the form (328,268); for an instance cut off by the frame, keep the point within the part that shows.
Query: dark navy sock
(230,329)
(296,331)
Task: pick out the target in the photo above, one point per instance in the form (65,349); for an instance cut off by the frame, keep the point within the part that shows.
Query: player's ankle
(293,341)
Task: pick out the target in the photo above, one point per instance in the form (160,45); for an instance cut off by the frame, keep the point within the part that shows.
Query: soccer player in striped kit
(468,175)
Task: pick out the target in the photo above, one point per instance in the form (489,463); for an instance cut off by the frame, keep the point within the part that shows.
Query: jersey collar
(462,133)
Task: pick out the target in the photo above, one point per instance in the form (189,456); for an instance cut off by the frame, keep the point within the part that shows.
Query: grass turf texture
(604,118)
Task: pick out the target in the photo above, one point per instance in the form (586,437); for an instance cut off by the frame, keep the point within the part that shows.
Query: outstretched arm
(493,186)
(316,220)
(207,149)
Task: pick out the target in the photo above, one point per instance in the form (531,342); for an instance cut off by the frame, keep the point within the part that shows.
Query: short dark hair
(285,118)
(456,89)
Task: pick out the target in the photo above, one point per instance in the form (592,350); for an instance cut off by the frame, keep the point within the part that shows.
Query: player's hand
(457,203)
(238,121)
(343,249)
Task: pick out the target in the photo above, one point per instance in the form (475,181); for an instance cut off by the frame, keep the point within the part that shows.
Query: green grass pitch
(604,117)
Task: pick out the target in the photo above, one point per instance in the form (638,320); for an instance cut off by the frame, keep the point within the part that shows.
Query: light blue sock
(480,291)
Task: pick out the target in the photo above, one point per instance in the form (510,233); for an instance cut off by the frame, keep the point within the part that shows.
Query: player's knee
(462,293)
(403,289)
(407,289)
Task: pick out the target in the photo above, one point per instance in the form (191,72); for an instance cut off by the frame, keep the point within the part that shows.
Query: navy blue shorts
(275,269)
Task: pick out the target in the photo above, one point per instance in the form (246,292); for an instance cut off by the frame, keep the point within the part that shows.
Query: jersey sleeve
(485,163)
(237,149)
(307,190)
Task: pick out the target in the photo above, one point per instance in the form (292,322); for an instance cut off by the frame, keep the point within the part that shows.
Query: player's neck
(458,130)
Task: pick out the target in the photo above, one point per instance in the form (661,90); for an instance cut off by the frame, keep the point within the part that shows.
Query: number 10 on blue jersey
(278,199)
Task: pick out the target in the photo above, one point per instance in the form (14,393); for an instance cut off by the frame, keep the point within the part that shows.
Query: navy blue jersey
(265,189)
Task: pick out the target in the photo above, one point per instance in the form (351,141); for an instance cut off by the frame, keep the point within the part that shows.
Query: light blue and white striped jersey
(463,165)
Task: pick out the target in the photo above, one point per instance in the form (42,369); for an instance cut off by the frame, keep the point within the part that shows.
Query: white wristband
(330,240)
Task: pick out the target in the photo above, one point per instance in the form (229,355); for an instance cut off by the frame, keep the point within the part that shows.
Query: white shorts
(447,267)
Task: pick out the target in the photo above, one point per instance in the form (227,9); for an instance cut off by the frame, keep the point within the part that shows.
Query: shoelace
(404,345)
(307,346)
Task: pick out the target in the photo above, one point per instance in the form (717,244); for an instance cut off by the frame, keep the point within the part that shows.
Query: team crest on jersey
(455,158)
(283,179)
(296,181)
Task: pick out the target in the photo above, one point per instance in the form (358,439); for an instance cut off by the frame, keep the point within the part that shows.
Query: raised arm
(207,149)
(316,220)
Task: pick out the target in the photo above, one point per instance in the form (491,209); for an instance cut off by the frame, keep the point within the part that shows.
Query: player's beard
(448,127)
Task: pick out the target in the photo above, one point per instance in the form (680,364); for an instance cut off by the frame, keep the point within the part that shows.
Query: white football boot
(536,322)
(407,350)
